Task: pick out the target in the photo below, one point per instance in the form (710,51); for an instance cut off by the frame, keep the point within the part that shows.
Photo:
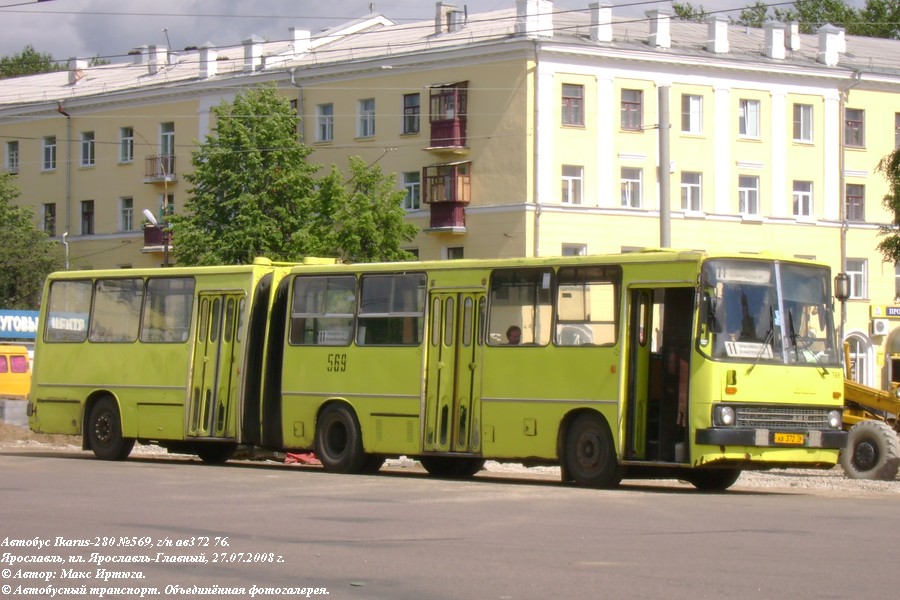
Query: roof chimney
(660,33)
(157,57)
(301,39)
(442,17)
(601,22)
(139,53)
(829,43)
(792,40)
(76,70)
(717,34)
(534,18)
(775,40)
(208,57)
(252,54)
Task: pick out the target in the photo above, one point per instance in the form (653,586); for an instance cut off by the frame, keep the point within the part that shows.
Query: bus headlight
(723,416)
(834,419)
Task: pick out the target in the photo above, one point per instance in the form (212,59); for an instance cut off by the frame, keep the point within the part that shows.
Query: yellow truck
(873,445)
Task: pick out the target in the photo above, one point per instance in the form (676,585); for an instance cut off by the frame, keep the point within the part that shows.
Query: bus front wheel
(105,431)
(590,454)
(339,440)
(713,480)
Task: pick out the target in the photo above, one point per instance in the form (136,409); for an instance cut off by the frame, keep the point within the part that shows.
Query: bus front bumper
(766,438)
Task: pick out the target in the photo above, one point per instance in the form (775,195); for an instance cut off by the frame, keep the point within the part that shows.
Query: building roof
(376,37)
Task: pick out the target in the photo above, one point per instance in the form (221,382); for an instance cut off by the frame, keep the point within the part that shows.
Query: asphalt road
(406,536)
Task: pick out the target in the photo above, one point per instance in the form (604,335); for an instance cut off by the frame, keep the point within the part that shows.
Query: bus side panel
(527,391)
(382,384)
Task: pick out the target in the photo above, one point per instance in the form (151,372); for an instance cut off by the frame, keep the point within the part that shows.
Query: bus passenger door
(214,382)
(453,378)
(640,322)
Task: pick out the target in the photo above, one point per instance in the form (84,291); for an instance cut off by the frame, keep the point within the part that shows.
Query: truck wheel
(872,452)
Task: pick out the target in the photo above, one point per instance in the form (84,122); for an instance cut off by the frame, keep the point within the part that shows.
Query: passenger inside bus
(513,335)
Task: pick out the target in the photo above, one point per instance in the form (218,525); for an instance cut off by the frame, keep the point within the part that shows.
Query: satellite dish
(150,216)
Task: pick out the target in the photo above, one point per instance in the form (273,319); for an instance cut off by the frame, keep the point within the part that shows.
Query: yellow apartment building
(526,131)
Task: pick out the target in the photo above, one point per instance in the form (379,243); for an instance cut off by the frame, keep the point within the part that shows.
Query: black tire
(373,464)
(872,452)
(590,454)
(452,467)
(339,440)
(104,431)
(713,480)
(215,453)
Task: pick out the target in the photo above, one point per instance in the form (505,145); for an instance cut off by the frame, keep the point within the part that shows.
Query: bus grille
(781,417)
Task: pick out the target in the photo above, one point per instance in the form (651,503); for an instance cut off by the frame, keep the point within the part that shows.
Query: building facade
(520,132)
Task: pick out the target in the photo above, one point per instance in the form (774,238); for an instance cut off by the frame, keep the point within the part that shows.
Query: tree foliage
(27,62)
(27,255)
(684,11)
(878,18)
(254,193)
(889,166)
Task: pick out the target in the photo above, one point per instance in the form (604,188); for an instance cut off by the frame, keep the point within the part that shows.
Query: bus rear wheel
(590,454)
(339,440)
(872,452)
(104,431)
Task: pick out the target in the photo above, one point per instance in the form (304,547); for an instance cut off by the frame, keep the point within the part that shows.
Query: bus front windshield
(767,312)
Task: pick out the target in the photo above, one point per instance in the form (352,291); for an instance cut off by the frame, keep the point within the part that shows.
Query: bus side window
(322,311)
(391,310)
(521,297)
(586,305)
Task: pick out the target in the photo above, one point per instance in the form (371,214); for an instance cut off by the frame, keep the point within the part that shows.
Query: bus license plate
(789,438)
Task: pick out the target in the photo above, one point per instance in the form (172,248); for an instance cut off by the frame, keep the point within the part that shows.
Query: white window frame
(412,184)
(691,191)
(572,184)
(572,101)
(574,250)
(126,213)
(631,179)
(749,118)
(412,113)
(88,157)
(366,121)
(48,149)
(855,135)
(325,122)
(126,144)
(803,199)
(692,114)
(803,123)
(857,271)
(748,194)
(12,157)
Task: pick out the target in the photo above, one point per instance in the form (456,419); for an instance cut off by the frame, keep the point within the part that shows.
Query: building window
(167,149)
(691,113)
(855,203)
(87,149)
(631,187)
(412,110)
(803,122)
(126,144)
(87,217)
(856,269)
(632,110)
(325,122)
(691,192)
(574,249)
(412,183)
(748,119)
(126,214)
(748,194)
(12,157)
(366,118)
(455,253)
(49,148)
(573,105)
(166,205)
(854,127)
(803,198)
(572,184)
(49,218)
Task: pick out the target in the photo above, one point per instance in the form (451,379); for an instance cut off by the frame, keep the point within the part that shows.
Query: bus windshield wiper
(806,346)
(770,335)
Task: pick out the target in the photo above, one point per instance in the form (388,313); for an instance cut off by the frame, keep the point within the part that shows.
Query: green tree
(756,15)
(686,12)
(889,166)
(812,14)
(27,62)
(27,255)
(879,18)
(255,194)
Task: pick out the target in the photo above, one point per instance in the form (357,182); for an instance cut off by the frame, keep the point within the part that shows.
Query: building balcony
(447,190)
(448,136)
(156,239)
(159,169)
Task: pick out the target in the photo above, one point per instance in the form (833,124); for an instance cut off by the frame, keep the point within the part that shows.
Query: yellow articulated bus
(667,364)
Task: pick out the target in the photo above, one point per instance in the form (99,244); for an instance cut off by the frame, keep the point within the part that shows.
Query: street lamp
(163,227)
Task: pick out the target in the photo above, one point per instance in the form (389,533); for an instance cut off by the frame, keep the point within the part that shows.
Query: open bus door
(215,368)
(659,341)
(453,377)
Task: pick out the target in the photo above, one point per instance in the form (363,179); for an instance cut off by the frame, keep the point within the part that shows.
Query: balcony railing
(449,134)
(448,191)
(159,168)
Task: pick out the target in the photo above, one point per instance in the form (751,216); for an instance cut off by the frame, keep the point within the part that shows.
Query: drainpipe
(536,250)
(60,110)
(665,195)
(299,87)
(845,225)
